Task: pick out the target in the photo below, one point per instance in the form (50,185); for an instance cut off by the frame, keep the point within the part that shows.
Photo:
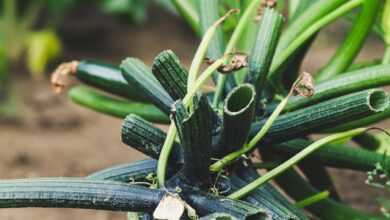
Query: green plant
(204,167)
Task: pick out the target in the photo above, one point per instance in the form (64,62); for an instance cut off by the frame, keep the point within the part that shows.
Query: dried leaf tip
(60,77)
(237,62)
(305,85)
(265,4)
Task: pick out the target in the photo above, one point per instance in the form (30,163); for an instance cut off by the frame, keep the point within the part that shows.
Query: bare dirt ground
(57,138)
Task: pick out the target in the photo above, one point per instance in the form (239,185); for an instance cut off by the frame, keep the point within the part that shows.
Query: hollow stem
(238,31)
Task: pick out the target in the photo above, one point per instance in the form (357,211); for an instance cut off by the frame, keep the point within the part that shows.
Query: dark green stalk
(352,45)
(265,196)
(143,136)
(237,118)
(263,51)
(171,75)
(265,201)
(78,193)
(328,209)
(209,14)
(116,107)
(319,177)
(374,118)
(138,75)
(136,171)
(325,115)
(370,77)
(194,129)
(367,141)
(205,204)
(335,155)
(107,78)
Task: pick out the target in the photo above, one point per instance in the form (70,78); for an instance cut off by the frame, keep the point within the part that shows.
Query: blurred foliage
(42,46)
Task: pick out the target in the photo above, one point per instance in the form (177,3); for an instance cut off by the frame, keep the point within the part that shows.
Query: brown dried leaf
(60,77)
(265,4)
(305,85)
(237,62)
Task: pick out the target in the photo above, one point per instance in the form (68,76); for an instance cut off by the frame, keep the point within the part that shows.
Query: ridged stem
(264,48)
(366,78)
(77,193)
(237,34)
(171,75)
(324,115)
(237,117)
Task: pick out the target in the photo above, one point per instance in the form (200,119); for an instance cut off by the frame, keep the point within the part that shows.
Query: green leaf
(42,47)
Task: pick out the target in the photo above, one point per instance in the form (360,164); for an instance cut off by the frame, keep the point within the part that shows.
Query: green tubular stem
(364,64)
(205,204)
(138,75)
(237,117)
(283,54)
(125,173)
(107,78)
(77,193)
(368,141)
(386,56)
(171,75)
(353,43)
(294,160)
(143,136)
(116,107)
(312,199)
(194,129)
(298,7)
(302,21)
(319,177)
(237,34)
(263,51)
(266,195)
(370,77)
(171,135)
(255,139)
(163,159)
(209,14)
(369,120)
(327,209)
(188,12)
(325,115)
(334,155)
(207,40)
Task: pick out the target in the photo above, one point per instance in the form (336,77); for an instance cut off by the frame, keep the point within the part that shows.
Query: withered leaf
(60,77)
(305,86)
(237,62)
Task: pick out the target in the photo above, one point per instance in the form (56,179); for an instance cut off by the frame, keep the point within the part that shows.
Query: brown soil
(58,138)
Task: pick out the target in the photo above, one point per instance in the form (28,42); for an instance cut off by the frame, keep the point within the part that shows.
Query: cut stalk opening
(378,100)
(240,99)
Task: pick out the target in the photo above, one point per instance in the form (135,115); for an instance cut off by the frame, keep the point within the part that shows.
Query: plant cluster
(205,166)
